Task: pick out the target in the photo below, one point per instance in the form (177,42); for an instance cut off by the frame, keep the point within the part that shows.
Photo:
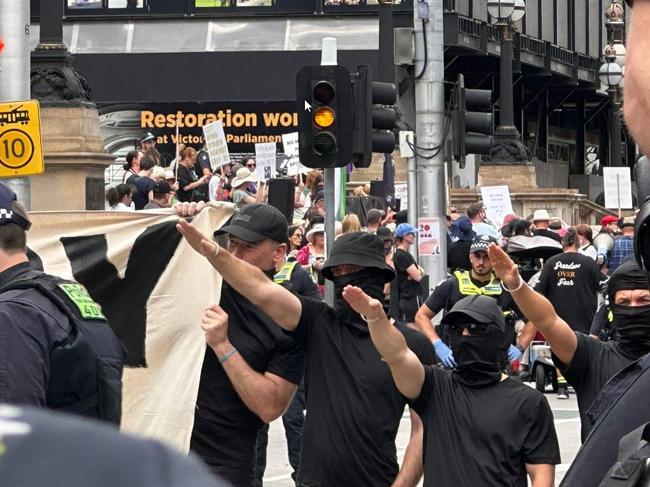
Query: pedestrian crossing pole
(15,71)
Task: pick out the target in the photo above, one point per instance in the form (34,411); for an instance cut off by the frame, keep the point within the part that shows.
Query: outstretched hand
(362,303)
(197,240)
(503,266)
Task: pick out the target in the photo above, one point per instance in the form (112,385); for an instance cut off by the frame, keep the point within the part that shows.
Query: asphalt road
(567,424)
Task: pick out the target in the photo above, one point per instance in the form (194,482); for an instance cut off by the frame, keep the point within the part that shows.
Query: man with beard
(479,281)
(503,430)
(587,364)
(354,408)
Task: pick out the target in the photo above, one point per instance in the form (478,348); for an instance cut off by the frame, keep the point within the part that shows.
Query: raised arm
(536,307)
(281,305)
(406,368)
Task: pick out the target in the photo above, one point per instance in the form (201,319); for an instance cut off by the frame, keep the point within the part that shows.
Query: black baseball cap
(360,248)
(481,243)
(476,309)
(161,188)
(147,137)
(8,213)
(257,222)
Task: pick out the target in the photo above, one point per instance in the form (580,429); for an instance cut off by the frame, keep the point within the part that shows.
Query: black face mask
(632,329)
(369,280)
(478,357)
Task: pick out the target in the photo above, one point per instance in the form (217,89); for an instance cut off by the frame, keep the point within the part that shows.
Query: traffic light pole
(430,139)
(15,71)
(329,58)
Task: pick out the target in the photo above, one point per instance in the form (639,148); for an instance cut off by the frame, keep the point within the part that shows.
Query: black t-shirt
(593,364)
(225,430)
(143,186)
(303,285)
(483,435)
(407,288)
(458,255)
(545,232)
(570,282)
(186,176)
(202,162)
(353,406)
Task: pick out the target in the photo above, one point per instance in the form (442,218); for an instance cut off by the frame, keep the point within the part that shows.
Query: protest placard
(265,159)
(618,187)
(290,144)
(215,141)
(497,204)
(429,236)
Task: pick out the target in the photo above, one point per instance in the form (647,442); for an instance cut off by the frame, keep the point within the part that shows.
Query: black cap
(359,248)
(161,188)
(384,234)
(147,137)
(257,222)
(478,309)
(7,211)
(481,243)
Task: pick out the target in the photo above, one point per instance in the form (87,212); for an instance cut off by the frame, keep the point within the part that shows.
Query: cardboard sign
(293,165)
(497,204)
(265,159)
(618,187)
(215,140)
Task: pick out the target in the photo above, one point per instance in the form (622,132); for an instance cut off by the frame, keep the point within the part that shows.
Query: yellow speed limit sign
(21,151)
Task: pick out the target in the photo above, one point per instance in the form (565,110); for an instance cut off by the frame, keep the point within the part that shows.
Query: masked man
(480,280)
(586,363)
(504,429)
(354,408)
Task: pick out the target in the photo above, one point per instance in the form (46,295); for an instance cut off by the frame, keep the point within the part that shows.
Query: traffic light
(374,117)
(325,102)
(472,121)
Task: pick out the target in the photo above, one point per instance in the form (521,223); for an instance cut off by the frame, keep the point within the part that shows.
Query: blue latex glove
(444,353)
(514,353)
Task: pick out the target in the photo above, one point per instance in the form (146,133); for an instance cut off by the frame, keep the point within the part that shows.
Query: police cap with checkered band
(8,213)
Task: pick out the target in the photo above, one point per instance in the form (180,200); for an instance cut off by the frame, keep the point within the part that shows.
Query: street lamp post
(611,74)
(508,147)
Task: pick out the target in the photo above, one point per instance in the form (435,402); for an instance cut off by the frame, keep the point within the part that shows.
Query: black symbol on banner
(14,116)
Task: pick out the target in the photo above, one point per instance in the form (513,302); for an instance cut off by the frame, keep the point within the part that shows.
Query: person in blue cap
(408,273)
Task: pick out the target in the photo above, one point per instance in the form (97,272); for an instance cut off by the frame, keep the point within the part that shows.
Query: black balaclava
(479,355)
(631,323)
(369,279)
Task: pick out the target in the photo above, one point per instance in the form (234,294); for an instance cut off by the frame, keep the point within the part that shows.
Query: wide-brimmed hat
(317,228)
(628,221)
(244,175)
(541,215)
(257,222)
(358,248)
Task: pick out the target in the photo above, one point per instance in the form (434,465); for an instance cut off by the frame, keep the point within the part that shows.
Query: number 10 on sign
(21,152)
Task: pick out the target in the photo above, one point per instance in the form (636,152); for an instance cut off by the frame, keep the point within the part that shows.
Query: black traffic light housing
(472,121)
(374,117)
(325,116)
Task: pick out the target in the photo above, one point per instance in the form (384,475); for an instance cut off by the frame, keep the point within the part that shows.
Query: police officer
(480,280)
(56,348)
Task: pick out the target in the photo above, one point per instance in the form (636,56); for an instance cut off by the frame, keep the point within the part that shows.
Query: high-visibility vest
(284,274)
(468,288)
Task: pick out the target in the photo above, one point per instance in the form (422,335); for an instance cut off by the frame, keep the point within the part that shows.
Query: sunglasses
(250,165)
(475,329)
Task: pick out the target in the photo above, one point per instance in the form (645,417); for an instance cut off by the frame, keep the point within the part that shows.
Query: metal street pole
(15,71)
(507,111)
(430,139)
(329,58)
(615,129)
